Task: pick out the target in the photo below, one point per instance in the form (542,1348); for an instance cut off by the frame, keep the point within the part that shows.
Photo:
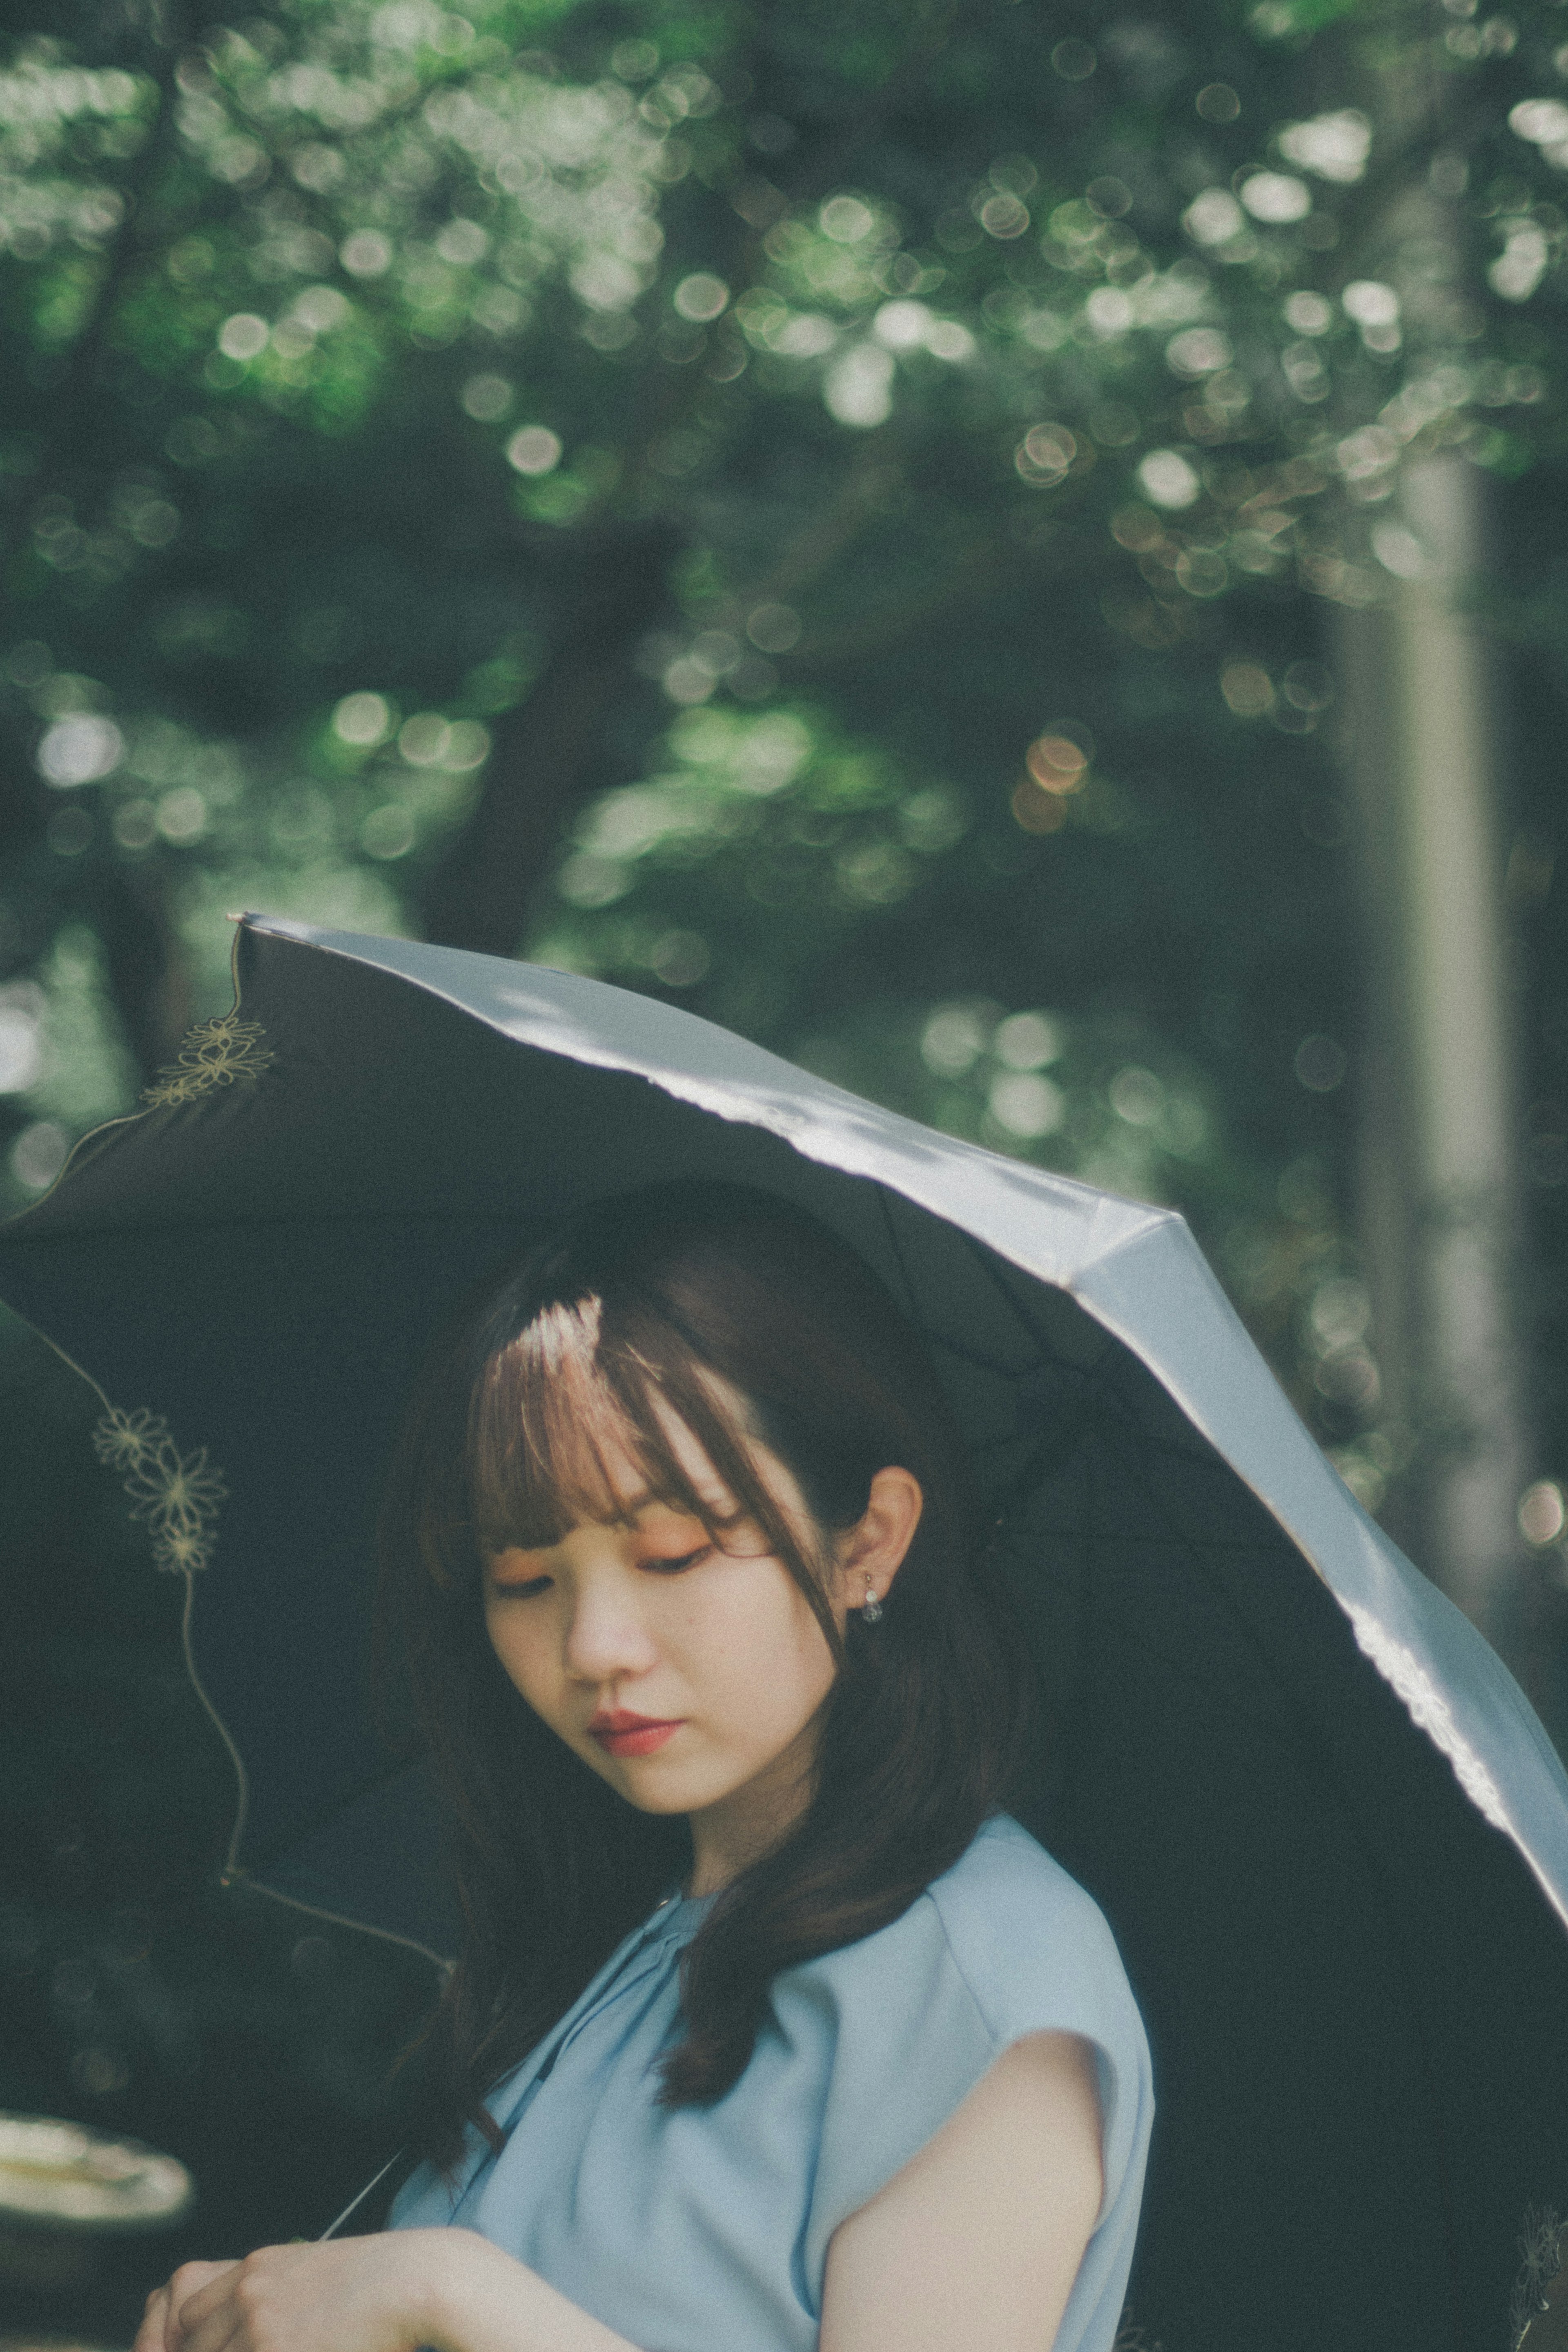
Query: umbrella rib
(965,1354)
(884,1208)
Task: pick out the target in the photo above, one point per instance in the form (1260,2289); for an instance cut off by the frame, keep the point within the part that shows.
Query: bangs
(544,1428)
(571,1424)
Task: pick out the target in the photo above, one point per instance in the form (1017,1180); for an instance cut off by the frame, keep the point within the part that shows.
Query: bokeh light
(701,296)
(1056,763)
(1248,689)
(1276,196)
(534,450)
(857,388)
(1026,1103)
(1045,455)
(362,720)
(1165,477)
(1541,1513)
(38,1154)
(1028,1041)
(80,750)
(244,336)
(773,628)
(366,253)
(487,397)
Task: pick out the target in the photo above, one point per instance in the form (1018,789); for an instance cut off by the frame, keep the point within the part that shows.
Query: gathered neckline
(683,1910)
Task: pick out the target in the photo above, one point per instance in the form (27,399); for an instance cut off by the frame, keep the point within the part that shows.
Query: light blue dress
(706,2228)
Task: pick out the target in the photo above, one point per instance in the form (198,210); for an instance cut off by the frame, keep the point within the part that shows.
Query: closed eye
(520,1588)
(661,1565)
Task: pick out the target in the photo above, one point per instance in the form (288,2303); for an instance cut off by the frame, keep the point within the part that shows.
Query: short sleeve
(1004,1945)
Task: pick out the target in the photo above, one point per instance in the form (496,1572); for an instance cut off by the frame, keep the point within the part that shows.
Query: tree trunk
(1439,1203)
(549,753)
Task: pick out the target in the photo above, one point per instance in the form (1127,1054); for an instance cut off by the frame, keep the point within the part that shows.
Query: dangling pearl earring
(871,1608)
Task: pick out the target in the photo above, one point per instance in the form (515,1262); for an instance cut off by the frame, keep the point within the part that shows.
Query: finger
(222,2329)
(151,2335)
(192,2289)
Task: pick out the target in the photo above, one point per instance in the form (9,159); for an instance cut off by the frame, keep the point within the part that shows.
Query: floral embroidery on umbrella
(1541,2243)
(177,1495)
(215,1054)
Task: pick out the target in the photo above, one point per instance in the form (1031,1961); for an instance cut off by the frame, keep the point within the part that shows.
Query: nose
(606,1636)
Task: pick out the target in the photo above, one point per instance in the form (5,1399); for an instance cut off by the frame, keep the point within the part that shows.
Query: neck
(729,1836)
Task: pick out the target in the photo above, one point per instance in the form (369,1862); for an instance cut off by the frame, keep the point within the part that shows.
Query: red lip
(621,1734)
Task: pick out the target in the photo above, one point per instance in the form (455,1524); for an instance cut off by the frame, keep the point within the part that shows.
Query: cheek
(526,1651)
(759,1651)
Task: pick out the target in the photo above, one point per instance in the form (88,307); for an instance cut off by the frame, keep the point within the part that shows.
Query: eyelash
(656,1566)
(662,1566)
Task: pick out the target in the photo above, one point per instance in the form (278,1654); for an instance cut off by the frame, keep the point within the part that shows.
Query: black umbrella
(1330,1834)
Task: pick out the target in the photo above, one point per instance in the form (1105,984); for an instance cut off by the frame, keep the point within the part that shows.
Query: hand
(356,2295)
(158,2330)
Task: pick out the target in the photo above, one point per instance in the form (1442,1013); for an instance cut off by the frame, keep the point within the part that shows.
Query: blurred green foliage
(829,515)
(410,408)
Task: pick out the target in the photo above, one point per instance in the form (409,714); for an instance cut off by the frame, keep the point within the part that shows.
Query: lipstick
(621,1734)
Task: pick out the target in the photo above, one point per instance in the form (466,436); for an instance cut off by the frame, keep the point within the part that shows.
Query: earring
(871,1608)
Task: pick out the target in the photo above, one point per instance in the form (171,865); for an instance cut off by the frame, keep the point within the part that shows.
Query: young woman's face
(689,1675)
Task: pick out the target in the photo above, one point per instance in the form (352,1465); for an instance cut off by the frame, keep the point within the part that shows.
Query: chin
(649,1802)
(653,1793)
(648,1790)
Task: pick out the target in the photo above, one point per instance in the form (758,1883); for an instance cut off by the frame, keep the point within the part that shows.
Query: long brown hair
(628,1305)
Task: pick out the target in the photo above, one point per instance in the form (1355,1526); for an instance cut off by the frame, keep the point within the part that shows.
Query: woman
(771,2029)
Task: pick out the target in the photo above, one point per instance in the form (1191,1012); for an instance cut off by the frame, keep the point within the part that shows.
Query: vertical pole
(1439,1208)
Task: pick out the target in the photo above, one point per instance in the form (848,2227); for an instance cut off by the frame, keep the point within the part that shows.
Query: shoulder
(1006,1934)
(1005,1943)
(1033,1946)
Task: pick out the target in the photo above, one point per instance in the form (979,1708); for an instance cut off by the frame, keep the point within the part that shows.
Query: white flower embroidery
(177,1495)
(1541,2245)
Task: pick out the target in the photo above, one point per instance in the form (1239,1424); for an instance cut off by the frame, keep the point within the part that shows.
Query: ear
(872,1551)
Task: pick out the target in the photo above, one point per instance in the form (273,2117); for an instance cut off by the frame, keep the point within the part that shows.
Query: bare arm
(978,2238)
(485,2311)
(449,2290)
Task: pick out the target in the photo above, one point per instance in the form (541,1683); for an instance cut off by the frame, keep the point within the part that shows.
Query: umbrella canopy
(1328,1831)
